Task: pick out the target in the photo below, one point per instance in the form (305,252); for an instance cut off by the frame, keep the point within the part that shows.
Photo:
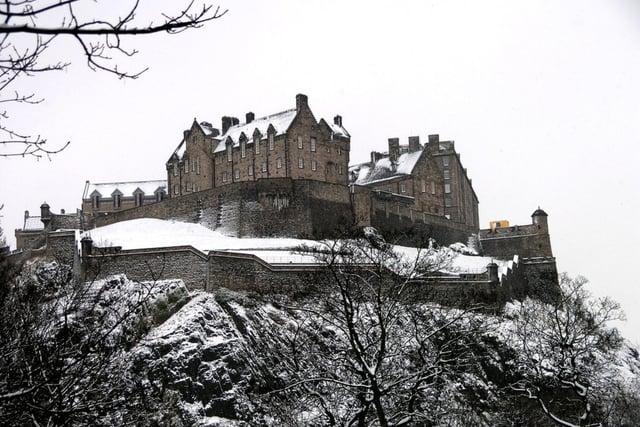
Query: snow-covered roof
(33,223)
(384,169)
(280,122)
(127,189)
(338,130)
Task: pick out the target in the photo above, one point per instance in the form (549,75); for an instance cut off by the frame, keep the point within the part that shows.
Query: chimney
(301,101)
(434,142)
(337,120)
(226,124)
(394,149)
(414,144)
(26,214)
(250,117)
(375,156)
(235,121)
(62,212)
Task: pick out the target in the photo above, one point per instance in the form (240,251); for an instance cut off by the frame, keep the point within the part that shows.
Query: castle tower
(539,218)
(45,214)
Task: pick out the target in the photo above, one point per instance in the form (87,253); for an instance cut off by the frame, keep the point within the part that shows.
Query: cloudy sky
(542,98)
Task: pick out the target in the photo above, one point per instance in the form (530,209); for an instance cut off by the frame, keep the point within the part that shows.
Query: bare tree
(564,351)
(62,343)
(30,29)
(367,349)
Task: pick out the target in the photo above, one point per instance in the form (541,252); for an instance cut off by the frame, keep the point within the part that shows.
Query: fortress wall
(525,245)
(267,207)
(248,273)
(61,245)
(405,225)
(184,263)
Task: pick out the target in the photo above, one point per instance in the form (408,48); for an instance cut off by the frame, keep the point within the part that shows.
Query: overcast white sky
(542,98)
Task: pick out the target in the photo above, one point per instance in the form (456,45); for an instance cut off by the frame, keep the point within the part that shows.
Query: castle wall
(244,272)
(268,207)
(527,241)
(182,262)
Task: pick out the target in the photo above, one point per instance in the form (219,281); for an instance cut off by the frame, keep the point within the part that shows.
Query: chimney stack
(226,124)
(301,101)
(250,117)
(337,120)
(414,144)
(375,156)
(394,149)
(434,142)
(234,121)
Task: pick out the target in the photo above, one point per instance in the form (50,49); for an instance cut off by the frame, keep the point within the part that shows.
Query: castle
(288,175)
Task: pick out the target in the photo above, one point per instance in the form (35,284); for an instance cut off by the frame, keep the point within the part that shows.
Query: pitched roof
(33,223)
(384,169)
(338,130)
(280,122)
(126,188)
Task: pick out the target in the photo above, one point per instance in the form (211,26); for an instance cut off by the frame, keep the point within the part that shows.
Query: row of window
(195,166)
(236,172)
(138,198)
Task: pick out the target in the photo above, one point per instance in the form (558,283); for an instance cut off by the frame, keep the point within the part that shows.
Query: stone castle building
(288,175)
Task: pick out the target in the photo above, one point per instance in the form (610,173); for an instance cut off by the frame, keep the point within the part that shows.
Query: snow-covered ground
(153,233)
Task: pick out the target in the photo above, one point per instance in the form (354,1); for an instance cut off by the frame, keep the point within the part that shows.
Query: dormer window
(175,169)
(138,198)
(256,142)
(229,152)
(159,196)
(95,202)
(243,149)
(186,165)
(299,142)
(272,142)
(117,202)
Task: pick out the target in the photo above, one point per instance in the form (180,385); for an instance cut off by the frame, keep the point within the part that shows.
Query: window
(187,187)
(423,186)
(300,162)
(116,201)
(236,174)
(175,169)
(186,165)
(272,142)
(193,165)
(176,189)
(229,152)
(95,202)
(299,142)
(198,165)
(264,166)
(339,151)
(250,170)
(256,142)
(445,161)
(447,175)
(159,196)
(138,198)
(447,188)
(433,187)
(279,162)
(314,165)
(339,169)
(447,202)
(313,144)
(225,177)
(403,187)
(243,149)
